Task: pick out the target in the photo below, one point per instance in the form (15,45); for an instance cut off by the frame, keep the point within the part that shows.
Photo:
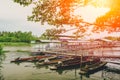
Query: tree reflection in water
(2,57)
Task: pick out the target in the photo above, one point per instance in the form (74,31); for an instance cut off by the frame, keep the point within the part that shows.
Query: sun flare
(100,3)
(90,13)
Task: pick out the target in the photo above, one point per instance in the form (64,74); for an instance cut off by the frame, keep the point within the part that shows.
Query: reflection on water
(2,57)
(29,71)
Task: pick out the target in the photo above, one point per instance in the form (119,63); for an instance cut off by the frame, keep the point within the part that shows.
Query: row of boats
(57,62)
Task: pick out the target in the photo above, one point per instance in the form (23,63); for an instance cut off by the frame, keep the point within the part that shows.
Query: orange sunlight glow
(90,13)
(100,3)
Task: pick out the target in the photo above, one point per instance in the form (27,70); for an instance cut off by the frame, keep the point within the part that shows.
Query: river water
(29,71)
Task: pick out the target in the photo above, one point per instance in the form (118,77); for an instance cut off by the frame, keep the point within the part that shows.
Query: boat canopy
(48,41)
(104,40)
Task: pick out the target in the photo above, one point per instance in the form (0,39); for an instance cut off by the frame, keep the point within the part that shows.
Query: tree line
(16,36)
(1,49)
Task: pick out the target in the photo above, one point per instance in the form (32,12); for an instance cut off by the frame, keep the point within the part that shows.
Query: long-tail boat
(34,58)
(20,59)
(53,61)
(51,57)
(75,62)
(88,69)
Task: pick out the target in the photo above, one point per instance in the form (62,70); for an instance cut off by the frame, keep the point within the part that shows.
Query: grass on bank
(14,44)
(23,51)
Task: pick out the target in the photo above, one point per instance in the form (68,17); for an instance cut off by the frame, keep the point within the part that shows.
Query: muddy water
(29,71)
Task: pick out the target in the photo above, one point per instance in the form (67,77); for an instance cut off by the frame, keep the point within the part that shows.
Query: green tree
(2,57)
(52,33)
(17,36)
(1,49)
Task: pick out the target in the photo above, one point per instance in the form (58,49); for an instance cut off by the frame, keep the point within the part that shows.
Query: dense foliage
(113,38)
(51,34)
(111,20)
(2,57)
(59,13)
(16,36)
(1,49)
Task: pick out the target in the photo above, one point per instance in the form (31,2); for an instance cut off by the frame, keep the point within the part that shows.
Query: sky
(13,17)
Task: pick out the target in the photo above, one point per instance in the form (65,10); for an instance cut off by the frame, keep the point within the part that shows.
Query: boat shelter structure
(76,47)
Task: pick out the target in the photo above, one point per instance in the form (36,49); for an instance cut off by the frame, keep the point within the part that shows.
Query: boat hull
(93,69)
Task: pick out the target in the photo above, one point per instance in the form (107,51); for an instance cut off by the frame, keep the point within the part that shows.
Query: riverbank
(15,44)
(17,48)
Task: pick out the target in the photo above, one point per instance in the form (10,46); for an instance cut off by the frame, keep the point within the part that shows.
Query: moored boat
(58,59)
(75,62)
(44,58)
(49,62)
(20,59)
(88,69)
(30,59)
(71,63)
(67,65)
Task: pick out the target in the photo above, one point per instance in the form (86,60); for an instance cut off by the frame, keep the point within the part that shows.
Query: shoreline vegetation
(15,44)
(8,38)
(1,49)
(23,51)
(15,39)
(19,38)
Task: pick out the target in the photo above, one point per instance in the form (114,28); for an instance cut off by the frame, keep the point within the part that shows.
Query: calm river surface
(28,71)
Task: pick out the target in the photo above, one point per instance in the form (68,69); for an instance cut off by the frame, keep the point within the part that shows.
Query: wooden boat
(20,59)
(53,61)
(88,69)
(75,62)
(29,59)
(44,58)
(67,65)
(36,58)
(37,53)
(49,61)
